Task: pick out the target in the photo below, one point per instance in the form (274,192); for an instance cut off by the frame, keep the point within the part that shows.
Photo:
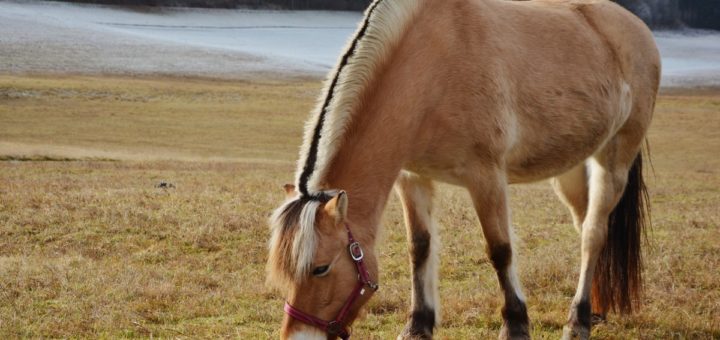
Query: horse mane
(293,241)
(371,47)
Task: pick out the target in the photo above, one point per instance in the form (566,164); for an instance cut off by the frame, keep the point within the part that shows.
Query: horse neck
(381,135)
(371,157)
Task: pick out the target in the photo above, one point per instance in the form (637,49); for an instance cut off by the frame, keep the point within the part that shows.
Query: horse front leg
(489,194)
(416,193)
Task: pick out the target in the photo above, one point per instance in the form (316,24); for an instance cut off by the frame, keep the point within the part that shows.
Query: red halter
(337,326)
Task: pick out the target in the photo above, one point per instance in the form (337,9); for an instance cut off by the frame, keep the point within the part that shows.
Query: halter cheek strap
(337,326)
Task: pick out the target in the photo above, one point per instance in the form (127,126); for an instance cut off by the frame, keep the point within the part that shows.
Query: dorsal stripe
(309,166)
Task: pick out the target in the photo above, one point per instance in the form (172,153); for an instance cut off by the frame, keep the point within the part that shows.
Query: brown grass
(91,248)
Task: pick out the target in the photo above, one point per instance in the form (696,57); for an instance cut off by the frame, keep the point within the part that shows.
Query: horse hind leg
(416,193)
(572,188)
(489,194)
(609,265)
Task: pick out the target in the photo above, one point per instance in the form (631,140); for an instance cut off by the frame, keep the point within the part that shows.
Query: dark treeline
(657,13)
(676,13)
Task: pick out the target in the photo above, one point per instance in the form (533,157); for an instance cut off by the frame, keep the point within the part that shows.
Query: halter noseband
(337,326)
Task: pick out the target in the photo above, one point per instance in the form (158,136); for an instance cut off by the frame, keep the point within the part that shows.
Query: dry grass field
(91,248)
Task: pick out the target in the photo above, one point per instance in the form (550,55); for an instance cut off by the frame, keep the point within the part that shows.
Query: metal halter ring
(355,251)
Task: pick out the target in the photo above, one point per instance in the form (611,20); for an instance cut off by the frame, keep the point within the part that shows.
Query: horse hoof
(597,319)
(521,332)
(410,333)
(575,332)
(414,336)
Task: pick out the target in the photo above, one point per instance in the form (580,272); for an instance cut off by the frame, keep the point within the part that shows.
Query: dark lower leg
(516,323)
(580,314)
(423,244)
(489,193)
(422,317)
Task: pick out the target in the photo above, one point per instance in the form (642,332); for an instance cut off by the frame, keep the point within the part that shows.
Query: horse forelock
(293,240)
(385,22)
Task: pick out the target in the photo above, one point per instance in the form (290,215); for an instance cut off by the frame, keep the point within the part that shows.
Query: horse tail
(617,281)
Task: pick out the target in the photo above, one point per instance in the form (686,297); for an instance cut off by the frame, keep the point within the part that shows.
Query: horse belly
(451,171)
(545,157)
(548,151)
(570,130)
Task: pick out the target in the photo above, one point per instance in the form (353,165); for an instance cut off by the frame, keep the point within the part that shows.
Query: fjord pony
(480,94)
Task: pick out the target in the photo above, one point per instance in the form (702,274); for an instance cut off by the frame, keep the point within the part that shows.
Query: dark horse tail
(617,282)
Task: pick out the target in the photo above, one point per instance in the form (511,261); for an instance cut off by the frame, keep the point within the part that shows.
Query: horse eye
(321,270)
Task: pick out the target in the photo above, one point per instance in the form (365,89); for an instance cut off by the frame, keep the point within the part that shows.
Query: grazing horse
(480,94)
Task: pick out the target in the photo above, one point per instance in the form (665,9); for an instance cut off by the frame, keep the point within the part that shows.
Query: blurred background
(657,13)
(246,38)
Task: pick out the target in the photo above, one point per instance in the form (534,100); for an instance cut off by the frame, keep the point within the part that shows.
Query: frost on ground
(52,37)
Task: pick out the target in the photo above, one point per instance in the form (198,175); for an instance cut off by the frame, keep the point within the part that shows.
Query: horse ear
(337,207)
(289,189)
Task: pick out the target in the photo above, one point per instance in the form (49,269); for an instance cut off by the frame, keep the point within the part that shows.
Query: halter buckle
(355,251)
(334,328)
